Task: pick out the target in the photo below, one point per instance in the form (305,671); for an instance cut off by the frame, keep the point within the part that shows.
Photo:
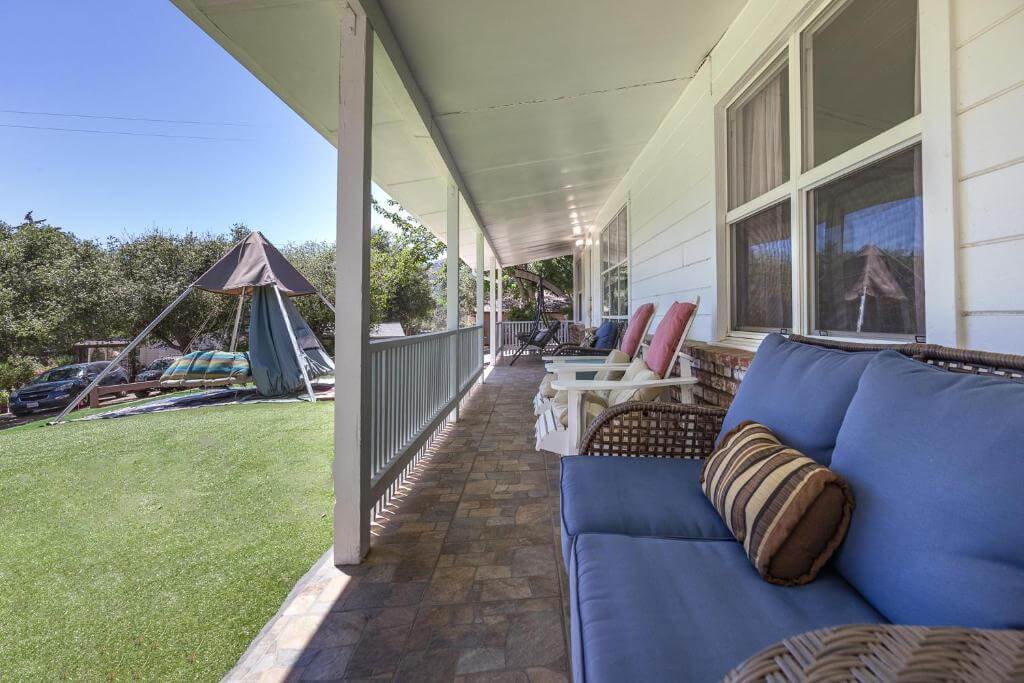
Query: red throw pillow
(667,336)
(635,330)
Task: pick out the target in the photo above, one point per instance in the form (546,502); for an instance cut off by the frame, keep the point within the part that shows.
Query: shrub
(17,370)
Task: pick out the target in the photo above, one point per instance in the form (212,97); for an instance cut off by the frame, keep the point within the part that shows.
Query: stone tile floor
(463,580)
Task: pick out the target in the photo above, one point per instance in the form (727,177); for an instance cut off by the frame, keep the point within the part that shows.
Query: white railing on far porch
(509,331)
(412,394)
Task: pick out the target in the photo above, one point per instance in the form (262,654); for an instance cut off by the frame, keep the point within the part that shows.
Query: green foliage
(556,270)
(154,268)
(315,260)
(55,289)
(17,370)
(400,271)
(521,299)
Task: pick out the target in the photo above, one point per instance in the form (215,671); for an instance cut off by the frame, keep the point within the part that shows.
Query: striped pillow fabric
(789,512)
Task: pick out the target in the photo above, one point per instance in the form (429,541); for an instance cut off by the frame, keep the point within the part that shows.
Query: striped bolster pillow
(789,512)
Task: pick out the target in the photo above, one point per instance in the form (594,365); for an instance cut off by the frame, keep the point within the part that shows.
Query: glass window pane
(623,280)
(623,236)
(604,296)
(758,140)
(762,271)
(868,255)
(613,242)
(860,76)
(604,248)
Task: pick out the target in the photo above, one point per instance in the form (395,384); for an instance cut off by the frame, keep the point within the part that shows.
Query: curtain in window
(758,132)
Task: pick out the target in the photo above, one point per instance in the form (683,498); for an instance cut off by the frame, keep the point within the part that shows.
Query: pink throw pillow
(667,336)
(635,330)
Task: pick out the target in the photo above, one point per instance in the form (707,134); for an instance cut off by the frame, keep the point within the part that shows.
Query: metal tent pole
(295,345)
(326,302)
(128,349)
(238,319)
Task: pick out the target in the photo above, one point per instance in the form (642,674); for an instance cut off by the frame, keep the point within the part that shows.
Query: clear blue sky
(144,59)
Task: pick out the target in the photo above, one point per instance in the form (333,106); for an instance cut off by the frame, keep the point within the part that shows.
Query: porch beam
(351,467)
(382,28)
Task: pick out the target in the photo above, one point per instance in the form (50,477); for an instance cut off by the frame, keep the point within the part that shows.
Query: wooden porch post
(452,209)
(480,287)
(351,468)
(500,312)
(493,331)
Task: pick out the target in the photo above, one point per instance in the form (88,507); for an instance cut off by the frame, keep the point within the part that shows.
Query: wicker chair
(847,653)
(666,430)
(888,653)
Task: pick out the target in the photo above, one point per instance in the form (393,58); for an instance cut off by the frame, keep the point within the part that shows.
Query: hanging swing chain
(202,328)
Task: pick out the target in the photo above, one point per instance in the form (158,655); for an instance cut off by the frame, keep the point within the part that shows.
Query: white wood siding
(989,81)
(671,186)
(676,251)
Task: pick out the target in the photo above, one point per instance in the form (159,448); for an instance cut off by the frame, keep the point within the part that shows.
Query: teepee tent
(284,354)
(876,280)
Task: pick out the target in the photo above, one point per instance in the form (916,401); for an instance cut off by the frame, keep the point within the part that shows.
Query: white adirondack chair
(559,427)
(631,342)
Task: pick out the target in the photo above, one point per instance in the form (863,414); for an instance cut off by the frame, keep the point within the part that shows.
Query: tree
(315,260)
(156,267)
(55,289)
(401,264)
(523,304)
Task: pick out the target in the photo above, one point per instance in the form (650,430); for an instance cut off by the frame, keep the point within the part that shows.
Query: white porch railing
(411,398)
(508,331)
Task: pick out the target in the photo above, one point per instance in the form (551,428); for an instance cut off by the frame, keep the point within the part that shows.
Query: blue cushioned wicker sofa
(931,441)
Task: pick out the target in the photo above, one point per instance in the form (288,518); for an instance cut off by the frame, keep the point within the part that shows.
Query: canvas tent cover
(254,262)
(275,367)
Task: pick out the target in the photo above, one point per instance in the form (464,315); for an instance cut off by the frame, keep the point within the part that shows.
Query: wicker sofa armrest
(889,653)
(662,430)
(574,350)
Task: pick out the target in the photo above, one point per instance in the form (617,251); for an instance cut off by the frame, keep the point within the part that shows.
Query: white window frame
(932,128)
(602,271)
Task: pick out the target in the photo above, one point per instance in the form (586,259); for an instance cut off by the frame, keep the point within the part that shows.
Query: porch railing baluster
(411,399)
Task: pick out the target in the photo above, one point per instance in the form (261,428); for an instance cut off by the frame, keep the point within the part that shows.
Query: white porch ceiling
(543,104)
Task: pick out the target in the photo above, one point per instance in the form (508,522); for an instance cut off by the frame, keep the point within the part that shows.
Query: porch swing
(544,330)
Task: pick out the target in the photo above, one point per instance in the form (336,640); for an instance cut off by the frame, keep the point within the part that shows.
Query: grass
(155,547)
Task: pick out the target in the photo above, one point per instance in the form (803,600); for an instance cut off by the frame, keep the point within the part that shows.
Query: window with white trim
(614,250)
(824,200)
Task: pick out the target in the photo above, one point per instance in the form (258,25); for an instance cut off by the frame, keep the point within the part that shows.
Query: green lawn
(156,546)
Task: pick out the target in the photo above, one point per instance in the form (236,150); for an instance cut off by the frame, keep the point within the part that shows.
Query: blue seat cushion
(936,463)
(800,392)
(655,609)
(606,335)
(636,496)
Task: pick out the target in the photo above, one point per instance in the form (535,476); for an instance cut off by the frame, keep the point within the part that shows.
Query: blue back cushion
(800,392)
(936,463)
(606,335)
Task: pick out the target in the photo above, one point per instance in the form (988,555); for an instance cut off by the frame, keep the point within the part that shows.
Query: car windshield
(59,374)
(161,364)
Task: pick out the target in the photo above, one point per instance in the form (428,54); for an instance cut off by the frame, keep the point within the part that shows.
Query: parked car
(57,387)
(152,372)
